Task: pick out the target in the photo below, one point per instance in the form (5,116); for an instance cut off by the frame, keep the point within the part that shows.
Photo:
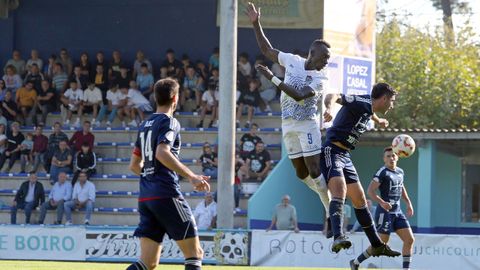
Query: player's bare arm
(263,43)
(372,193)
(163,154)
(135,164)
(296,94)
(330,99)
(382,122)
(405,197)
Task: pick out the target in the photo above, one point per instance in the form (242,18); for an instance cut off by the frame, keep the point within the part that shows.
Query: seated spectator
(171,67)
(48,69)
(208,160)
(136,103)
(72,101)
(15,139)
(81,137)
(61,162)
(140,59)
(61,192)
(145,81)
(258,163)
(3,139)
(214,60)
(237,185)
(26,98)
(201,70)
(214,78)
(12,80)
(85,161)
(3,90)
(251,99)
(85,65)
(83,197)
(35,77)
(210,104)
(35,59)
(205,213)
(46,99)
(66,61)
(123,81)
(26,148)
(53,143)
(248,141)
(9,107)
(30,195)
(284,216)
(192,87)
(92,100)
(244,65)
(40,147)
(101,80)
(59,79)
(114,70)
(17,62)
(115,103)
(99,61)
(81,79)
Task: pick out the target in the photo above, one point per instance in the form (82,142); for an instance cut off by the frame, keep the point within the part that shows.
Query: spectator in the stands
(26,148)
(3,139)
(209,161)
(72,101)
(53,143)
(61,192)
(244,65)
(85,65)
(284,216)
(61,161)
(248,141)
(15,139)
(136,104)
(205,213)
(3,121)
(268,91)
(99,60)
(17,62)
(66,61)
(115,103)
(185,64)
(40,147)
(83,197)
(9,107)
(145,81)
(30,195)
(46,99)
(141,59)
(250,99)
(35,59)
(81,79)
(201,70)
(60,79)
(214,60)
(258,163)
(85,161)
(48,69)
(209,104)
(26,99)
(34,76)
(237,184)
(193,86)
(3,89)
(12,80)
(114,68)
(92,100)
(124,79)
(214,77)
(101,80)
(81,137)
(171,66)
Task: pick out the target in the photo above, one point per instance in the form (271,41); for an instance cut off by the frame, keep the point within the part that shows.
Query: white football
(403,145)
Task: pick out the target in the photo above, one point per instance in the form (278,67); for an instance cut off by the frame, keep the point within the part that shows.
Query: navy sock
(336,215)
(139,265)
(193,263)
(365,255)
(366,220)
(407,259)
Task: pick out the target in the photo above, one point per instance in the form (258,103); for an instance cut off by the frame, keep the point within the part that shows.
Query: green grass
(42,265)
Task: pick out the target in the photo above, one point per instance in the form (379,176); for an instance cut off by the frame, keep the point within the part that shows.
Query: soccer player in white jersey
(301,91)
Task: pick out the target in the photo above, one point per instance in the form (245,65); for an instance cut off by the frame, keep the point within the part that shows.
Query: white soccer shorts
(302,138)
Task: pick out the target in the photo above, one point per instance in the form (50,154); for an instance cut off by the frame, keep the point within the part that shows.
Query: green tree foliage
(438,84)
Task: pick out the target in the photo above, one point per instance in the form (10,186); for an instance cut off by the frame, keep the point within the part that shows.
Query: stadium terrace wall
(187,26)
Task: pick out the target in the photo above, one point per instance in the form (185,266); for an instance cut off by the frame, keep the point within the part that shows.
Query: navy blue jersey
(156,180)
(391,186)
(351,121)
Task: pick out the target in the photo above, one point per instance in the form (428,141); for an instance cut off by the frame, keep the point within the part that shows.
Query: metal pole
(226,134)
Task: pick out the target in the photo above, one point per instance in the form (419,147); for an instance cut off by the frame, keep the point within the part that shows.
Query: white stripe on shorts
(180,210)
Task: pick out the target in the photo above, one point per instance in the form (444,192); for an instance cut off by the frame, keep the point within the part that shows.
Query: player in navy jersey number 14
(389,217)
(161,206)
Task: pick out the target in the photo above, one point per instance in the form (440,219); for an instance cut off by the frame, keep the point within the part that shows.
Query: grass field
(41,265)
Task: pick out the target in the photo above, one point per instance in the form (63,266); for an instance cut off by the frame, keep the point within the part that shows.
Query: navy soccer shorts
(335,161)
(390,222)
(171,216)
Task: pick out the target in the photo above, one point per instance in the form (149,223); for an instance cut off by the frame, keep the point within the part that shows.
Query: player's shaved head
(165,90)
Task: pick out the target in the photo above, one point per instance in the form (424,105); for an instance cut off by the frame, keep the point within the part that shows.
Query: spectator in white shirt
(116,101)
(83,197)
(210,104)
(136,103)
(34,60)
(17,62)
(12,80)
(92,100)
(60,193)
(72,100)
(206,213)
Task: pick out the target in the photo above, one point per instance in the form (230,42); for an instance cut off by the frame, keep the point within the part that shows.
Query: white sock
(321,189)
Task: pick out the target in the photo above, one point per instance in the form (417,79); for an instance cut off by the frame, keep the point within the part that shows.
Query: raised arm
(263,43)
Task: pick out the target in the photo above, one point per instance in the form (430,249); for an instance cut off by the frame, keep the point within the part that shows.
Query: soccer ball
(403,145)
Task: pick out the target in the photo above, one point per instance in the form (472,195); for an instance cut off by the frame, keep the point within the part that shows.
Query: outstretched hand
(252,12)
(265,71)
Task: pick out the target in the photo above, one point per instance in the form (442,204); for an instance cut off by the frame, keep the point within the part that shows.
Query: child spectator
(210,104)
(136,103)
(72,100)
(92,100)
(214,60)
(26,148)
(145,81)
(12,80)
(40,146)
(26,98)
(251,99)
(244,65)
(85,161)
(208,160)
(192,85)
(115,102)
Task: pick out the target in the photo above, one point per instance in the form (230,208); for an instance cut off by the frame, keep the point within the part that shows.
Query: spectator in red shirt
(82,136)
(40,145)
